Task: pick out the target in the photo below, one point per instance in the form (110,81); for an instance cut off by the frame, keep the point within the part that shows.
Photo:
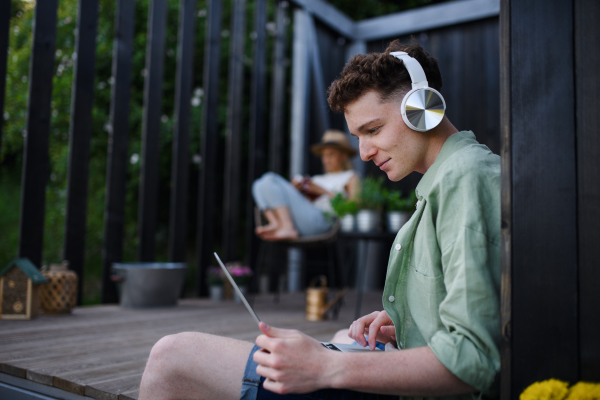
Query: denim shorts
(252,389)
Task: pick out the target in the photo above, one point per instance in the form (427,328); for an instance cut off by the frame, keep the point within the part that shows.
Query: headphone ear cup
(423,109)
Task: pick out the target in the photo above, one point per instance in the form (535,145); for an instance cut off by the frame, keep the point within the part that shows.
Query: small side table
(378,236)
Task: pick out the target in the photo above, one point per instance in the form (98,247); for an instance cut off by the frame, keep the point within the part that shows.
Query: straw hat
(335,139)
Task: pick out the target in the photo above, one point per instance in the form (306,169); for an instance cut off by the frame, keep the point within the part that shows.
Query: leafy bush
(395,202)
(343,206)
(371,196)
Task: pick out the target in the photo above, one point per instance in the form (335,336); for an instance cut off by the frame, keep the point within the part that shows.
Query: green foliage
(371,196)
(343,206)
(395,202)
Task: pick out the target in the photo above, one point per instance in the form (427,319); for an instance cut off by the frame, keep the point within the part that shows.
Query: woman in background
(298,208)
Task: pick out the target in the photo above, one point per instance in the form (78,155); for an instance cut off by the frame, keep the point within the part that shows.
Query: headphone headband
(417,75)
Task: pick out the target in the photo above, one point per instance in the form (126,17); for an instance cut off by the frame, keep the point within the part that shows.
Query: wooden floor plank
(101,351)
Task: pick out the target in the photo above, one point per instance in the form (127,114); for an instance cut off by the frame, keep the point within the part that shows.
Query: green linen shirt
(442,286)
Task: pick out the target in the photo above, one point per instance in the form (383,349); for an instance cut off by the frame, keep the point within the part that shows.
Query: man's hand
(378,326)
(291,361)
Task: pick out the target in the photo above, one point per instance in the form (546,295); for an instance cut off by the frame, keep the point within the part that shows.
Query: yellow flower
(584,391)
(552,389)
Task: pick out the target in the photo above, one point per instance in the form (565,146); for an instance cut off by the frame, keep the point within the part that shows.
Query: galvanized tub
(144,285)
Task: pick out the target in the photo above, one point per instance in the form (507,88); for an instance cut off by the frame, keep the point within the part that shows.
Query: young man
(441,297)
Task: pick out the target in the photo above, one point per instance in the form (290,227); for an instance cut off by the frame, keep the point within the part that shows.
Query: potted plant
(216,282)
(370,204)
(241,274)
(399,209)
(345,210)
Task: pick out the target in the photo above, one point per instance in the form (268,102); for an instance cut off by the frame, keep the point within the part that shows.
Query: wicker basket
(59,294)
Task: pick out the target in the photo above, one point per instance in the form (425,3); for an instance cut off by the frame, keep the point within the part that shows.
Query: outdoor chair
(327,239)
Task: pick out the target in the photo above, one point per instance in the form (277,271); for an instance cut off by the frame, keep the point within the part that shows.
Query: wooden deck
(100,352)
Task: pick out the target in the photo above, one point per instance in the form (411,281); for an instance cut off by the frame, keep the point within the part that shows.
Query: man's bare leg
(286,230)
(195,366)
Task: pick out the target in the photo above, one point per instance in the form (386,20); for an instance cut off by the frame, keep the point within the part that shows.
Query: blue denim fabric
(252,389)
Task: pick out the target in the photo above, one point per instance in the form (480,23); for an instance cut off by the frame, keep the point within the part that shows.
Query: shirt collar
(454,143)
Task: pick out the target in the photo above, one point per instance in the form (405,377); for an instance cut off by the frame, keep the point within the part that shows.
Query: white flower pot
(217,292)
(347,223)
(396,219)
(368,220)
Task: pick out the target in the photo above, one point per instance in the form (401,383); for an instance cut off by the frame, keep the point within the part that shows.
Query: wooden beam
(319,88)
(181,136)
(151,126)
(235,121)
(354,48)
(4,35)
(118,142)
(328,15)
(300,94)
(506,198)
(587,59)
(257,134)
(425,18)
(544,194)
(35,149)
(80,132)
(278,90)
(210,134)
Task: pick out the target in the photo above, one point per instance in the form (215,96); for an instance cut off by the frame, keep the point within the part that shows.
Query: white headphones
(422,108)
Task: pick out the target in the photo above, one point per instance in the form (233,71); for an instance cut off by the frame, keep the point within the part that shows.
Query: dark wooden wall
(551,211)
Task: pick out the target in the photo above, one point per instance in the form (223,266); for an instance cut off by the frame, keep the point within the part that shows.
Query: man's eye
(373,130)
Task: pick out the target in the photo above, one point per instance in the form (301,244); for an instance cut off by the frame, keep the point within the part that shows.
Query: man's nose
(367,151)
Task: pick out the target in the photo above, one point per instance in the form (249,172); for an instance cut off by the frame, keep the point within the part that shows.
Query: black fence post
(4,35)
(151,126)
(235,122)
(181,137)
(35,158)
(114,209)
(82,101)
(256,148)
(207,184)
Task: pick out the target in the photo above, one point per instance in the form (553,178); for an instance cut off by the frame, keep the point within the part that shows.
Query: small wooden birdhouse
(19,290)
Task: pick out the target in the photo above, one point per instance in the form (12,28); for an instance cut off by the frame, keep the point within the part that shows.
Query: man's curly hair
(381,72)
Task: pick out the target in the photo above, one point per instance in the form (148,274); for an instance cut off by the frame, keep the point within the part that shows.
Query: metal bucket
(144,285)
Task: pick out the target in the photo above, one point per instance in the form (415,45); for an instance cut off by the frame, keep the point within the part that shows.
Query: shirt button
(398,247)
(391,299)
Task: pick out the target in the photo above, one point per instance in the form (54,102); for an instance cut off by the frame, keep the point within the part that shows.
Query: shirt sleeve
(468,233)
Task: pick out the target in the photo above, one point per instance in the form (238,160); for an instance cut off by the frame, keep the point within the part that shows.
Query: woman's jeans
(272,191)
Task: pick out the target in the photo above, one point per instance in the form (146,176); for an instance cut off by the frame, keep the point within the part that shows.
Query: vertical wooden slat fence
(235,122)
(207,180)
(181,135)
(80,132)
(4,35)
(151,126)
(37,130)
(118,143)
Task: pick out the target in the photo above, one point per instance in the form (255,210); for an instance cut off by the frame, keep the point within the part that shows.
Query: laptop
(346,348)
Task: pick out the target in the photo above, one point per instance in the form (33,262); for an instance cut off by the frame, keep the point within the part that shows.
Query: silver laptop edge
(332,346)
